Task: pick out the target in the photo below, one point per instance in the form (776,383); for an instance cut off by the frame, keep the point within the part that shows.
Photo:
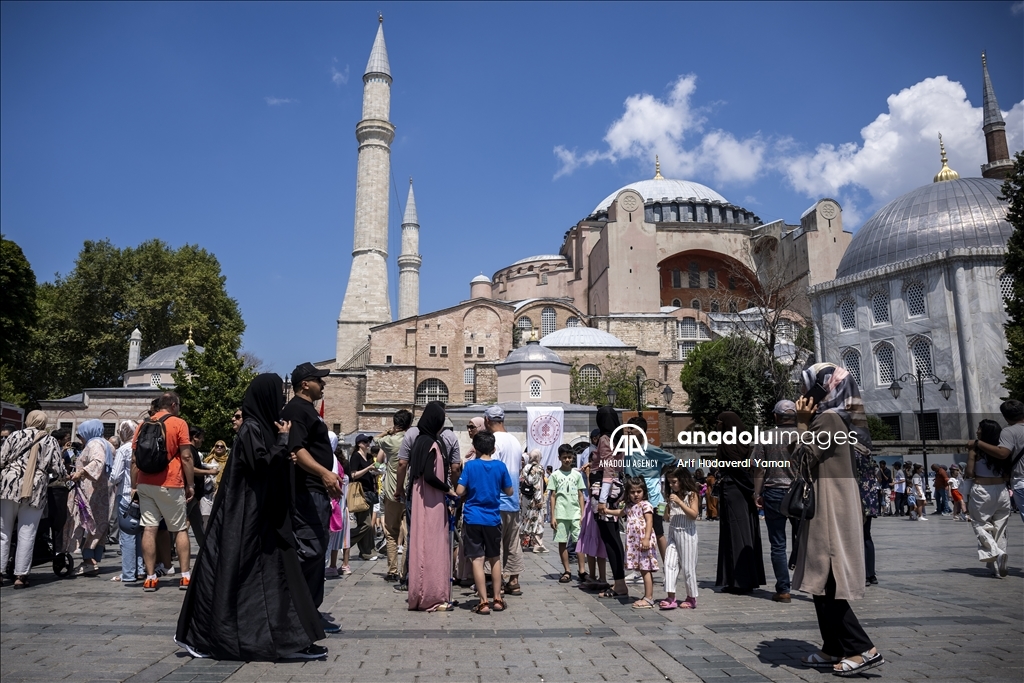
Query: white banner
(544,432)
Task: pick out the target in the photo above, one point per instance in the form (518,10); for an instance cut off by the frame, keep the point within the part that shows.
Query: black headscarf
(263,402)
(607,420)
(430,425)
(735,451)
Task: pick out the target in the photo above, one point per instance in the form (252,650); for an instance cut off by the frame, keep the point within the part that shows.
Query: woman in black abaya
(740,565)
(247,599)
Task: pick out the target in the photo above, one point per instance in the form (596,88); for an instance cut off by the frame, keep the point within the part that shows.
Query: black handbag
(798,503)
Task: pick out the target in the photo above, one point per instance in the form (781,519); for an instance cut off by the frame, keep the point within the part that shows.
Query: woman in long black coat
(247,599)
(740,564)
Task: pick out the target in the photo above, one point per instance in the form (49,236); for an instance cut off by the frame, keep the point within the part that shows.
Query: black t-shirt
(357,462)
(308,431)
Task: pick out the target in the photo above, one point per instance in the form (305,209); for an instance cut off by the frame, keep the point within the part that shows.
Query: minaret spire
(945,173)
(366,302)
(999,164)
(409,261)
(657,168)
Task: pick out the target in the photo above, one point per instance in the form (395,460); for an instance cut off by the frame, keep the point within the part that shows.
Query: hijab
(221,459)
(37,420)
(732,451)
(430,425)
(843,397)
(607,420)
(263,402)
(480,425)
(127,431)
(93,429)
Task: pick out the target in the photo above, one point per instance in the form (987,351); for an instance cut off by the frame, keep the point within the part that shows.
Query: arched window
(695,304)
(732,307)
(694,275)
(687,328)
(914,297)
(921,355)
(535,388)
(547,321)
(847,314)
(469,376)
(1006,286)
(880,307)
(712,279)
(851,361)
(677,278)
(524,323)
(885,364)
(714,306)
(590,374)
(431,389)
(572,321)
(677,303)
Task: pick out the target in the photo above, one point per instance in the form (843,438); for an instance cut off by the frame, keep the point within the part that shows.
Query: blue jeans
(131,556)
(93,553)
(941,500)
(776,521)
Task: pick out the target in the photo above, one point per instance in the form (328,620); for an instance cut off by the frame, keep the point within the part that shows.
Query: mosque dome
(581,337)
(165,359)
(659,188)
(532,352)
(481,278)
(946,214)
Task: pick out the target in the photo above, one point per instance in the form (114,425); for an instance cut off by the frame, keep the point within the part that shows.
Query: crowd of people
(272,513)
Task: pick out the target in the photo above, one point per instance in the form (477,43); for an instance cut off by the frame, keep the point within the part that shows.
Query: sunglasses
(236,416)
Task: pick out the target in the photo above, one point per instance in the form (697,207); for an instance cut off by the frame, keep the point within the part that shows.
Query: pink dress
(430,550)
(636,525)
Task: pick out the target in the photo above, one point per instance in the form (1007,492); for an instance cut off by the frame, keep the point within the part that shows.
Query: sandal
(583,577)
(848,667)
(643,603)
(668,604)
(502,604)
(445,607)
(609,593)
(512,588)
(566,577)
(21,582)
(820,660)
(483,608)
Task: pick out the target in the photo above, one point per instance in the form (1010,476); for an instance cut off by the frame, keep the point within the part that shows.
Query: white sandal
(817,661)
(848,667)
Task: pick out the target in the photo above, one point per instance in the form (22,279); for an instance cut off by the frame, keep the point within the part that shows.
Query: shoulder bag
(355,499)
(798,503)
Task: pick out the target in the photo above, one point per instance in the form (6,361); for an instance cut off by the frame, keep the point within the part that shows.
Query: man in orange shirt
(163,495)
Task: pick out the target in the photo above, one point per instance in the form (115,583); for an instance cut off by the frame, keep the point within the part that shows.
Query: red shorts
(957,498)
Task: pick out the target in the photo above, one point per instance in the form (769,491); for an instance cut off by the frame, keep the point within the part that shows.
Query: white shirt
(901,482)
(508,450)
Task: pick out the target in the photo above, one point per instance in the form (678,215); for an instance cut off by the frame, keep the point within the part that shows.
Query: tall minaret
(409,261)
(134,349)
(366,298)
(999,164)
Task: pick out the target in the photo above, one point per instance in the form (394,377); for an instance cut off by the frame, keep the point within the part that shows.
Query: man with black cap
(315,483)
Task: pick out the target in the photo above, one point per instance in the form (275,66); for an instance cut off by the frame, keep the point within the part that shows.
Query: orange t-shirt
(176,430)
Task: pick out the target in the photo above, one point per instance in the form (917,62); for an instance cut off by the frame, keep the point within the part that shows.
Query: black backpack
(151,446)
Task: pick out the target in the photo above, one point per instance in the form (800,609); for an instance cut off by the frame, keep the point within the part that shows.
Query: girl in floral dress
(641,551)
(531,525)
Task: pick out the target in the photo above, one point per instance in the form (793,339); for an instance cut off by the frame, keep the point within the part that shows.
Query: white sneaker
(923,518)
(191,650)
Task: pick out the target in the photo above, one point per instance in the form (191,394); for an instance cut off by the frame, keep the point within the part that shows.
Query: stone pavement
(936,615)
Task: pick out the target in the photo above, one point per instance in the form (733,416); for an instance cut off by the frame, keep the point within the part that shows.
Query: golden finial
(189,340)
(945,173)
(657,168)
(380,17)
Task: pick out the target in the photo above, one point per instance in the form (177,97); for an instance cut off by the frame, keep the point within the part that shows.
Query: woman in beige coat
(830,557)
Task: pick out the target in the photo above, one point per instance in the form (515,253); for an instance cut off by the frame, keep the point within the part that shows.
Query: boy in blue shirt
(482,482)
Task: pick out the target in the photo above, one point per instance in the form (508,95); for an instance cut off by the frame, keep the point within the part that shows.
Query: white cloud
(652,126)
(277,101)
(899,149)
(339,78)
(1017,8)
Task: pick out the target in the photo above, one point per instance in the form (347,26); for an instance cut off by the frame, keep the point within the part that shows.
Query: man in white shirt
(900,486)
(508,450)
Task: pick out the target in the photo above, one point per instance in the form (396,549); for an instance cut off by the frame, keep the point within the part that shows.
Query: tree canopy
(1013,192)
(86,316)
(17,317)
(729,373)
(211,385)
(616,373)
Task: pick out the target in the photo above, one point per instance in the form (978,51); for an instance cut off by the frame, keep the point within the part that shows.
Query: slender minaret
(134,349)
(409,261)
(999,164)
(366,298)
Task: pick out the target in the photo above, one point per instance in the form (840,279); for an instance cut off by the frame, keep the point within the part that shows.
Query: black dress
(740,563)
(247,599)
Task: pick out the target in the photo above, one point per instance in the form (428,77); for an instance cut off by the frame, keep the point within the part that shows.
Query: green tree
(616,373)
(1013,192)
(879,430)
(211,384)
(17,317)
(86,317)
(729,373)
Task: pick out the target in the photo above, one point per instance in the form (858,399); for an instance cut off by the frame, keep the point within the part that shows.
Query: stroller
(49,547)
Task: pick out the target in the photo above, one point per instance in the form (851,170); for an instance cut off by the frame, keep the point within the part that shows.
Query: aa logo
(628,440)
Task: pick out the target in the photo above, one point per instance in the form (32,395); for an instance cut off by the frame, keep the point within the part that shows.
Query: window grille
(705,333)
(715,307)
(695,304)
(524,323)
(677,303)
(893,423)
(469,396)
(694,275)
(572,321)
(388,360)
(712,279)
(109,429)
(154,380)
(847,315)
(921,354)
(885,360)
(543,278)
(928,426)
(535,388)
(479,350)
(685,348)
(469,376)
(880,307)
(590,374)
(851,361)
(677,279)
(469,350)
(432,351)
(431,389)
(732,307)
(914,296)
(547,321)
(687,328)
(1006,286)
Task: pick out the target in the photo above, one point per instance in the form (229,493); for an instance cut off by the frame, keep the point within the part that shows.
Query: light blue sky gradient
(232,126)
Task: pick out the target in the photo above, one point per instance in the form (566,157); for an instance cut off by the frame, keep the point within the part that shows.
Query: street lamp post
(642,383)
(919,378)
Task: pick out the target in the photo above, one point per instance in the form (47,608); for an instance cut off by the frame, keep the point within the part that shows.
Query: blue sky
(232,126)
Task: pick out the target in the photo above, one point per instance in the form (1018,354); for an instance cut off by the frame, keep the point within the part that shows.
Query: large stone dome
(951,214)
(664,188)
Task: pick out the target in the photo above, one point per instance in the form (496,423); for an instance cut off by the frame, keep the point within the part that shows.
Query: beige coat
(835,537)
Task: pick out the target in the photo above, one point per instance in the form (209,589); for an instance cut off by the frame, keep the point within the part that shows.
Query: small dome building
(920,290)
(532,374)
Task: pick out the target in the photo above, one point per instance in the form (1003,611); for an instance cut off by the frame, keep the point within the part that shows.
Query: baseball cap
(494,413)
(363,438)
(595,433)
(785,407)
(307,370)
